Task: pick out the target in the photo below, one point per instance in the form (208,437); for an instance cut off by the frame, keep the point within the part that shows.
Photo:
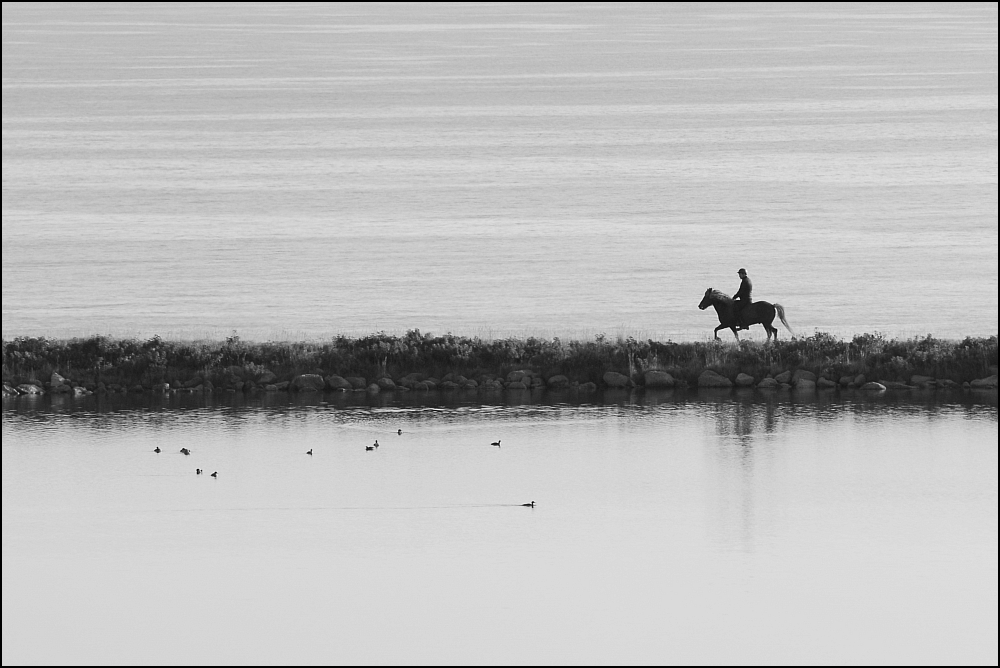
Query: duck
(215,474)
(496,443)
(156,449)
(369,447)
(399,431)
(375,444)
(529,505)
(185,451)
(198,471)
(309,451)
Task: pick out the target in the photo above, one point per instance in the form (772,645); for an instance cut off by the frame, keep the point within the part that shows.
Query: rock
(411,378)
(9,390)
(709,378)
(846,380)
(537,382)
(768,384)
(516,385)
(266,378)
(515,376)
(238,386)
(784,377)
(921,381)
(373,388)
(989,383)
(872,387)
(802,374)
(558,382)
(744,380)
(338,383)
(825,384)
(860,380)
(208,386)
(470,385)
(805,385)
(137,388)
(80,391)
(386,384)
(658,379)
(421,386)
(282,386)
(587,387)
(29,388)
(615,379)
(459,380)
(431,384)
(357,382)
(56,380)
(60,389)
(194,382)
(307,382)
(894,385)
(947,383)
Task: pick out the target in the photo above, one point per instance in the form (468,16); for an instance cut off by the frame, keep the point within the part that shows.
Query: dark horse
(757,313)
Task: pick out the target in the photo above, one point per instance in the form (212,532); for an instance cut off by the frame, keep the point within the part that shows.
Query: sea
(300,171)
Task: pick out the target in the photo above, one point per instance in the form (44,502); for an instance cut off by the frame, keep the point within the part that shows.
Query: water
(669,527)
(300,171)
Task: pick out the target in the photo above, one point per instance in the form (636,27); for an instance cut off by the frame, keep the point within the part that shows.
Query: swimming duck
(369,447)
(197,471)
(399,431)
(496,443)
(529,505)
(215,474)
(375,444)
(309,451)
(185,451)
(156,449)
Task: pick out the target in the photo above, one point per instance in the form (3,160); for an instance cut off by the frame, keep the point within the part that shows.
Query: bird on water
(185,451)
(399,431)
(529,505)
(496,443)
(375,444)
(369,447)
(198,471)
(309,451)
(156,449)
(215,474)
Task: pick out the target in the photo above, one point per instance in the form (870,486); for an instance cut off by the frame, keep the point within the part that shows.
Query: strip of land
(422,362)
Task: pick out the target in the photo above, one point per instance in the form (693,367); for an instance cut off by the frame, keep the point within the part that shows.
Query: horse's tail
(781,314)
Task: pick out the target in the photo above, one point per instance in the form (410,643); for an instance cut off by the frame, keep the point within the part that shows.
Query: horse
(756,313)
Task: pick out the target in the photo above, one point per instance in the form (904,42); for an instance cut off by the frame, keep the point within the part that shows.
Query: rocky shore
(424,363)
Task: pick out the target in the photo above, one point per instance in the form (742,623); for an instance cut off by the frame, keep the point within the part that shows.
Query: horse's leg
(717,331)
(735,333)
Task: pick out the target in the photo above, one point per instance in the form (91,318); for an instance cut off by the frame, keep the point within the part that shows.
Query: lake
(669,527)
(299,171)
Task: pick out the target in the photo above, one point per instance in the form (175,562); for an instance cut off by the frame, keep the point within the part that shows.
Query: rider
(742,297)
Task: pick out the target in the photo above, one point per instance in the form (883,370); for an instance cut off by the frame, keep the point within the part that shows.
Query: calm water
(297,171)
(668,528)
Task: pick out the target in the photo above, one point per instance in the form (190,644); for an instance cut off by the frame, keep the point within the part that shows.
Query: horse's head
(706,301)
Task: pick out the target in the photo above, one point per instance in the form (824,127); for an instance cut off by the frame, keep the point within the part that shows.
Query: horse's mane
(719,295)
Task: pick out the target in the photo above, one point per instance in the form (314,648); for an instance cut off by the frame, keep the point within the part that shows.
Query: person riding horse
(742,299)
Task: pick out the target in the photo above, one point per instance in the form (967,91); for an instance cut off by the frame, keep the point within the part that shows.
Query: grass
(131,362)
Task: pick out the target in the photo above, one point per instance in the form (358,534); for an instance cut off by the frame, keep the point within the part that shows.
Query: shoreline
(421,363)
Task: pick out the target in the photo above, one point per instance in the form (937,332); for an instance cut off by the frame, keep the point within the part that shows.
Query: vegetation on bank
(98,361)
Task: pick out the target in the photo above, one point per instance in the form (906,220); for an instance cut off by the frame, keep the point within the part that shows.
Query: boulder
(537,382)
(825,384)
(29,388)
(386,384)
(56,380)
(357,382)
(266,378)
(989,383)
(947,383)
(802,374)
(872,387)
(744,380)
(709,378)
(587,387)
(615,379)
(768,384)
(60,389)
(470,385)
(515,376)
(860,380)
(558,381)
(9,391)
(805,385)
(194,382)
(207,386)
(431,384)
(373,388)
(337,383)
(516,385)
(307,382)
(784,377)
(459,380)
(658,379)
(846,380)
(282,386)
(80,391)
(448,385)
(921,381)
(411,378)
(421,386)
